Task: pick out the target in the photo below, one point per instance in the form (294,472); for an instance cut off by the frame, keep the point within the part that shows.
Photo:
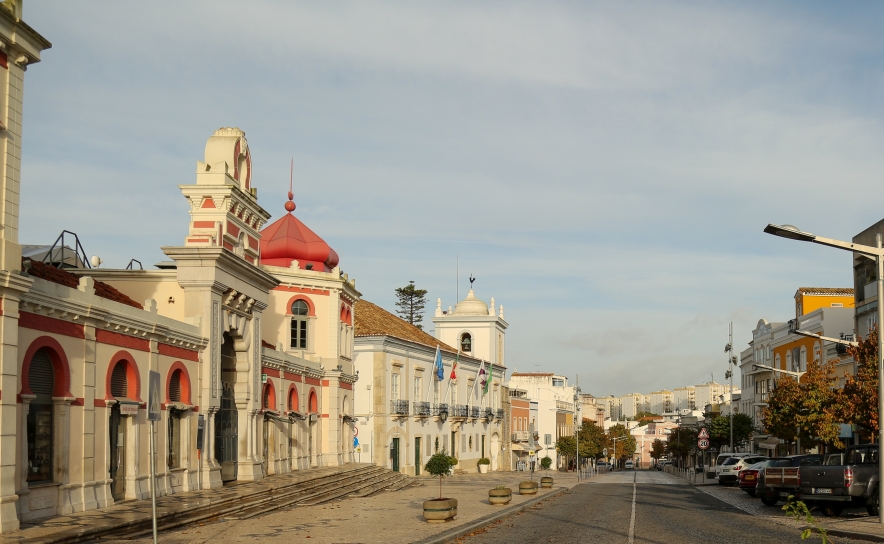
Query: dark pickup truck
(834,488)
(778,478)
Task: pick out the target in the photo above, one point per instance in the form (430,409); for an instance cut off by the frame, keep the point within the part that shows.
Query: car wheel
(872,503)
(833,510)
(769,501)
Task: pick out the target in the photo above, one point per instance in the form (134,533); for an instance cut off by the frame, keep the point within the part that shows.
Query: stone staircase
(242,501)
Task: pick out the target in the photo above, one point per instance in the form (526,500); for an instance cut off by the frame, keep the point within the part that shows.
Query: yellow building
(809,299)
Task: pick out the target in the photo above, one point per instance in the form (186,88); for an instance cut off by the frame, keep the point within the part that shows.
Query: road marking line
(632,519)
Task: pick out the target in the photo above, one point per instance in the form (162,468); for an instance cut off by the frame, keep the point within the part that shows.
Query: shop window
(41,380)
(299,325)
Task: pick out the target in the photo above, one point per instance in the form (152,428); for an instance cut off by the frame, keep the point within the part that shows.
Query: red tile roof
(839,291)
(62,277)
(372,320)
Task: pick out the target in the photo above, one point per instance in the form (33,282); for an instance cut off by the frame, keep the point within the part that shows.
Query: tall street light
(876,253)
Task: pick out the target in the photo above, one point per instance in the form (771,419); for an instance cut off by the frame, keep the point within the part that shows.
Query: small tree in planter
(440,510)
(545,463)
(440,465)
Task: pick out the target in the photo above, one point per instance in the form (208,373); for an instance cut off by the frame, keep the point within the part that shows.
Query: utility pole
(729,349)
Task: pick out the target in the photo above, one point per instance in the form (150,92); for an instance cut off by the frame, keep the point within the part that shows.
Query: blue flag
(440,371)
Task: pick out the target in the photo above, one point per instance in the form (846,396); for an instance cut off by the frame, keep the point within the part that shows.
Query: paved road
(642,506)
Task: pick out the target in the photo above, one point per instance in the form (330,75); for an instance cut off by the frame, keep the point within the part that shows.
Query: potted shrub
(500,495)
(441,509)
(483,464)
(546,481)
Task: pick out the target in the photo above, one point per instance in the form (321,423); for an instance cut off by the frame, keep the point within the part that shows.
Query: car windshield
(731,461)
(755,466)
(721,459)
(779,463)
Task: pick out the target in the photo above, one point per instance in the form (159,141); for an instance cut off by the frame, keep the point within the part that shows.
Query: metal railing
(459,410)
(562,405)
(439,408)
(520,436)
(500,413)
(399,407)
(475,412)
(422,409)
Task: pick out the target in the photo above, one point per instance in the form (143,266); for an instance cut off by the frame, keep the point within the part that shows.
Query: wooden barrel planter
(527,488)
(440,510)
(500,496)
(546,482)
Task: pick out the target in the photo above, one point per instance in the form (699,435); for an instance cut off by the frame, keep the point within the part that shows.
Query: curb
(850,534)
(453,534)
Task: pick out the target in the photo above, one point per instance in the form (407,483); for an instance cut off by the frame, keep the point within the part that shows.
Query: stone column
(12,285)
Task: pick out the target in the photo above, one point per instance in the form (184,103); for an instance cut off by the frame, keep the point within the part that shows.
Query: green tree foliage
(858,401)
(545,463)
(592,442)
(411,304)
(814,406)
(682,441)
(658,449)
(440,465)
(625,444)
(720,430)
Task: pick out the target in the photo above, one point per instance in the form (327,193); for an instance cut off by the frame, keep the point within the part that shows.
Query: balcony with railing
(459,410)
(564,406)
(489,414)
(439,408)
(399,407)
(520,436)
(500,413)
(475,412)
(422,409)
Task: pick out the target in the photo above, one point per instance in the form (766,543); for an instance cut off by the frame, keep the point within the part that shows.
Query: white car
(628,466)
(722,457)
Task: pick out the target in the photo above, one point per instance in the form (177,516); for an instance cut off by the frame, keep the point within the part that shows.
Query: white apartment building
(684,398)
(661,402)
(713,393)
(552,408)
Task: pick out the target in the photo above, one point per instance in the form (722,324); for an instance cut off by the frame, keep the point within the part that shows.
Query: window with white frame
(417,389)
(299,325)
(394,387)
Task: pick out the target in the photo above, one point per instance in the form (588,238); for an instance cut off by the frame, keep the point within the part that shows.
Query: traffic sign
(153,396)
(355,431)
(703,433)
(703,443)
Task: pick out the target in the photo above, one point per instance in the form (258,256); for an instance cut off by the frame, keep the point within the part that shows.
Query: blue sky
(605,169)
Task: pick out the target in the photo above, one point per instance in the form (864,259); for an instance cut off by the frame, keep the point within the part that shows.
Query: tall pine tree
(411,304)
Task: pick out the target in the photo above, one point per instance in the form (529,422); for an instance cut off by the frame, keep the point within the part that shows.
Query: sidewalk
(383,518)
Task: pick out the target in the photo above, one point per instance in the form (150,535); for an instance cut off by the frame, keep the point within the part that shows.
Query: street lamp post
(876,253)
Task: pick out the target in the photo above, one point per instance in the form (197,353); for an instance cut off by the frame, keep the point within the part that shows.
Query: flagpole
(453,367)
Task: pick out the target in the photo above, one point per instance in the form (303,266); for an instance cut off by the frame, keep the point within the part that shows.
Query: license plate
(749,477)
(821,491)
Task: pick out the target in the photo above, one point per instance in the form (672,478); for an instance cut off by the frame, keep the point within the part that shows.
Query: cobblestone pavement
(656,508)
(385,518)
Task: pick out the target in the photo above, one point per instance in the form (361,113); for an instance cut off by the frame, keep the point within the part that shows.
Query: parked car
(731,468)
(780,477)
(836,487)
(723,457)
(628,465)
(749,477)
(834,459)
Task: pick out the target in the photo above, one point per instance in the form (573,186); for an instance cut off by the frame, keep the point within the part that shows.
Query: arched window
(466,342)
(119,381)
(314,405)
(175,386)
(300,311)
(269,401)
(41,381)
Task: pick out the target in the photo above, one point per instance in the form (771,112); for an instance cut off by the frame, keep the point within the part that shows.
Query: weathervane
(472,279)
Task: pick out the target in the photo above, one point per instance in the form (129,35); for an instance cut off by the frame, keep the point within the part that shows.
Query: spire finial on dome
(290,205)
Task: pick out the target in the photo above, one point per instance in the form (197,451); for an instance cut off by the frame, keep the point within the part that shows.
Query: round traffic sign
(703,443)
(355,431)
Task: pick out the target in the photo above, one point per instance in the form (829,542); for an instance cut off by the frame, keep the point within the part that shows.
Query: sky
(604,169)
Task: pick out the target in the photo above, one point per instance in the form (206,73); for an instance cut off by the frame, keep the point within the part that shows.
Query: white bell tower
(474,327)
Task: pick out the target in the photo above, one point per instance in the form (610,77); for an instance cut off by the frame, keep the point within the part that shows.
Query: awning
(770,443)
(518,447)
